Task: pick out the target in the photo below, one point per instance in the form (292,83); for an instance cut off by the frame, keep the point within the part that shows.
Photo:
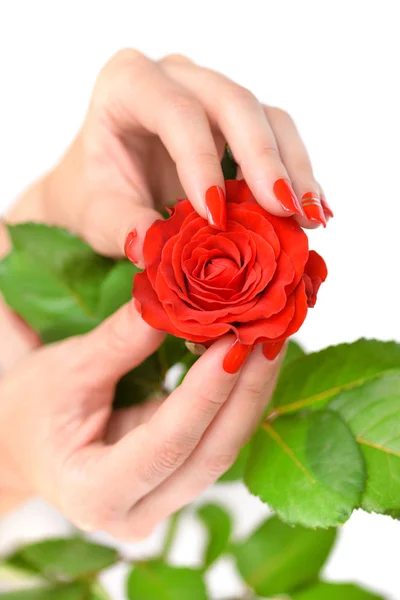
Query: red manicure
(286,196)
(235,357)
(327,210)
(216,207)
(130,247)
(313,209)
(272,349)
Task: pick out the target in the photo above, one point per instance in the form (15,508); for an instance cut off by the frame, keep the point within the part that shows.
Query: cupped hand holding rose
(125,471)
(156,131)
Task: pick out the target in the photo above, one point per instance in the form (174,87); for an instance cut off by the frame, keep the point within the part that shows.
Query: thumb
(119,344)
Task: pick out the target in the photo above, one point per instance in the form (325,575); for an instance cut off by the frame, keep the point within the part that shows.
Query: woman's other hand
(156,131)
(124,471)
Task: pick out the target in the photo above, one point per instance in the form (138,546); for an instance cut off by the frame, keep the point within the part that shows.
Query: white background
(335,67)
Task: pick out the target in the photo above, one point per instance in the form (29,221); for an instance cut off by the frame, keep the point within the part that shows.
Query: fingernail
(327,210)
(216,207)
(129,247)
(286,197)
(272,349)
(236,357)
(313,209)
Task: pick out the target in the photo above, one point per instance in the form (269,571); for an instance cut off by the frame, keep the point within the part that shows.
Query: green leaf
(372,412)
(16,564)
(219,527)
(228,164)
(155,580)
(316,378)
(69,557)
(308,468)
(52,278)
(335,591)
(70,591)
(277,558)
(236,472)
(98,592)
(293,352)
(116,289)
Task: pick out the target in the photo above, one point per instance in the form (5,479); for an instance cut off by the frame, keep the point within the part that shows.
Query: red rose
(255,280)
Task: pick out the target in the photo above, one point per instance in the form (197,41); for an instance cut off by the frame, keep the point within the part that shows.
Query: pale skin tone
(154,131)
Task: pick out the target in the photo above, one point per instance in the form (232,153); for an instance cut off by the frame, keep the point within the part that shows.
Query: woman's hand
(156,131)
(123,471)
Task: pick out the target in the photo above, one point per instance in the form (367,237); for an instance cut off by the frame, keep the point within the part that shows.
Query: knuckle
(238,94)
(116,337)
(171,455)
(211,399)
(125,61)
(280,115)
(254,390)
(208,159)
(219,464)
(303,168)
(180,105)
(126,57)
(176,58)
(269,152)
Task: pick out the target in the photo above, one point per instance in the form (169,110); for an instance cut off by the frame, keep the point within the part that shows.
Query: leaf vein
(280,441)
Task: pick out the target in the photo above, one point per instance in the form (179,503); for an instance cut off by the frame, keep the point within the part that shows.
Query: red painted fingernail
(129,247)
(286,197)
(216,207)
(236,357)
(327,210)
(313,208)
(272,349)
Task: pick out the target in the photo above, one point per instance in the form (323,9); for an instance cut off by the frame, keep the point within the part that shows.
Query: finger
(240,117)
(123,420)
(17,339)
(294,155)
(118,345)
(219,447)
(144,458)
(140,96)
(117,226)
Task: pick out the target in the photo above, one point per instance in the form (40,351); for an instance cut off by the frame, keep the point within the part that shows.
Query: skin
(125,472)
